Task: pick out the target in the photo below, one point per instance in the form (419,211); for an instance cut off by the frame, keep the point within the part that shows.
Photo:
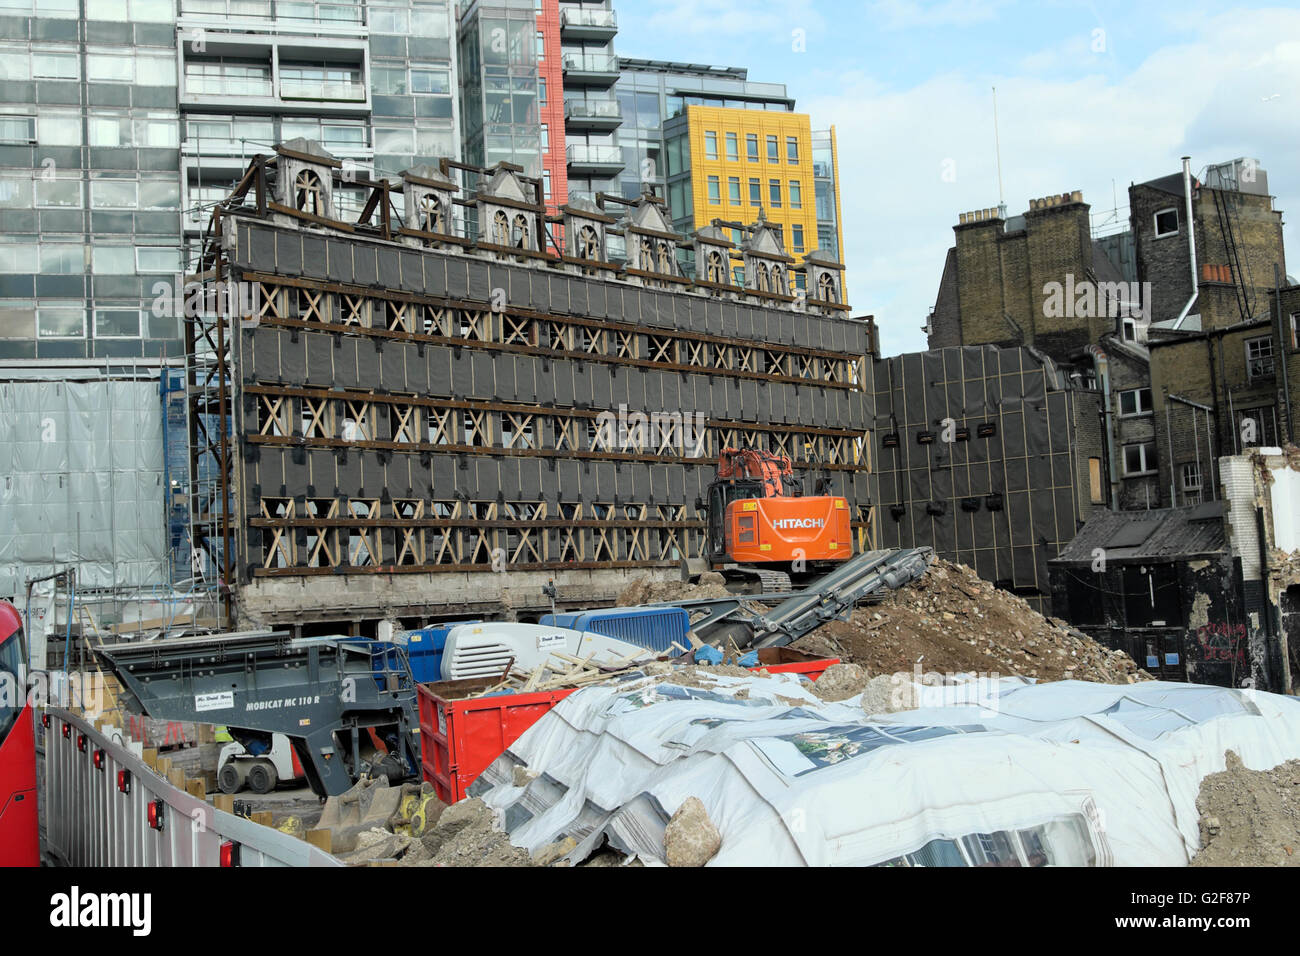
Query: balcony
(586,160)
(590,69)
(599,115)
(297,17)
(578,24)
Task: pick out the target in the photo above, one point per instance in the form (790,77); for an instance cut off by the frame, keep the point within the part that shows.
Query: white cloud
(1205,98)
(770,19)
(907,14)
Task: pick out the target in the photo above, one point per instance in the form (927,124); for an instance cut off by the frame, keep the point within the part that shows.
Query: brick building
(1223,348)
(1040,279)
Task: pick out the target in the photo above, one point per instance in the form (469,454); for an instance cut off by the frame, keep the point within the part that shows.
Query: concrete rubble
(691,839)
(1250,817)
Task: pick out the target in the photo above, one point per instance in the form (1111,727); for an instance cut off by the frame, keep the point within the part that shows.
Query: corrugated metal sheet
(1167,533)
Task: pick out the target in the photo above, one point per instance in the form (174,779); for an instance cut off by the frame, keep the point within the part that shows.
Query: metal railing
(94,817)
(569,17)
(593,109)
(584,154)
(590,63)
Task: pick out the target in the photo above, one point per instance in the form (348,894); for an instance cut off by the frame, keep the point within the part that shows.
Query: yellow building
(728,164)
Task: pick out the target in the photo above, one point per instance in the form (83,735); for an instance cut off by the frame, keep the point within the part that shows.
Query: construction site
(503,538)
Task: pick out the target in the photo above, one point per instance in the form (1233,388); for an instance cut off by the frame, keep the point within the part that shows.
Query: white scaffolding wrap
(1068,773)
(81,483)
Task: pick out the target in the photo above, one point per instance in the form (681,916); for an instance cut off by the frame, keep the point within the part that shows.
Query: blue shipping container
(424,650)
(654,628)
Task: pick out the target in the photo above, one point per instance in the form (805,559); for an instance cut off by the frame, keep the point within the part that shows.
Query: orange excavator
(761,525)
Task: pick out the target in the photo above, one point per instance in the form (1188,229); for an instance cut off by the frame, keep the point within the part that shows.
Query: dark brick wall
(1001,280)
(1257,232)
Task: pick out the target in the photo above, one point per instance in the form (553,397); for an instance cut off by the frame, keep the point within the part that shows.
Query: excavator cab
(758,516)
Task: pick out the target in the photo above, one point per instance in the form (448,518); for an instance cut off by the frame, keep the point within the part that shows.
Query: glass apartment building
(654,98)
(826,179)
(590,71)
(123,121)
(651,92)
(499,49)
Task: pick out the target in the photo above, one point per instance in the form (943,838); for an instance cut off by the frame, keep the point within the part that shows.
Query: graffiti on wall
(1222,643)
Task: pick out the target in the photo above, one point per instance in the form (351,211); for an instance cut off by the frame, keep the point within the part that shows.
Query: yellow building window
(710,145)
(733,190)
(796,195)
(715,194)
(733,147)
(751,146)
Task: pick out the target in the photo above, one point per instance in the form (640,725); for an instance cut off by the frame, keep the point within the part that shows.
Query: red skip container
(461,735)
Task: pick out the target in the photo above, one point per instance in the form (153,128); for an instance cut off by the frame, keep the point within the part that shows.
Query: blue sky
(1091,96)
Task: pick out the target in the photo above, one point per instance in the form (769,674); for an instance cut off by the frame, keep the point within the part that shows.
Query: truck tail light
(81,742)
(99,759)
(45,721)
(230,854)
(155,813)
(67,731)
(124,781)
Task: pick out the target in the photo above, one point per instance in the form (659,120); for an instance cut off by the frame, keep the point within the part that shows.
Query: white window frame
(1155,222)
(61,53)
(105,250)
(1187,486)
(1141,409)
(141,270)
(80,334)
(31,127)
(139,326)
(1263,345)
(133,203)
(1148,467)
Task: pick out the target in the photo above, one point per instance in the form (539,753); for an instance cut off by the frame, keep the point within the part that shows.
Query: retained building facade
(448,420)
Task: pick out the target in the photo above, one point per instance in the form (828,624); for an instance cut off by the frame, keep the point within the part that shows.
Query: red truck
(19,826)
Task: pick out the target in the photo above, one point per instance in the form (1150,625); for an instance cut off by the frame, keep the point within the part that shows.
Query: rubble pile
(952,621)
(1250,817)
(653,591)
(374,824)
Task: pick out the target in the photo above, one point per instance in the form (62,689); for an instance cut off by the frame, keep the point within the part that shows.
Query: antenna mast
(997,145)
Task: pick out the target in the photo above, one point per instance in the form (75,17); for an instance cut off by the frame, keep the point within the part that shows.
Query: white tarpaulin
(81,483)
(1068,773)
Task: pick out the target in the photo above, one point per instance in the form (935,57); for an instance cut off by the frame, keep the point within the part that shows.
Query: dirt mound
(1250,817)
(655,591)
(952,621)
